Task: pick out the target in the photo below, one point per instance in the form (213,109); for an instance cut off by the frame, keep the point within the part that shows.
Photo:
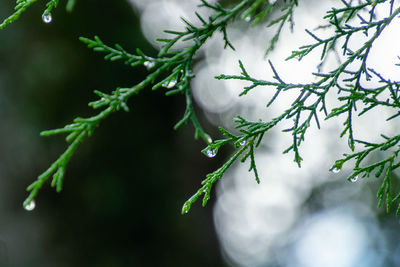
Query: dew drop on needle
(210,153)
(30,206)
(149,64)
(47,18)
(169,84)
(335,170)
(354,179)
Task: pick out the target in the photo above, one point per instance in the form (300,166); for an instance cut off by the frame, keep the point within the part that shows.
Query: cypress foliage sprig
(177,63)
(287,16)
(20,7)
(386,166)
(326,81)
(350,90)
(245,144)
(260,10)
(172,69)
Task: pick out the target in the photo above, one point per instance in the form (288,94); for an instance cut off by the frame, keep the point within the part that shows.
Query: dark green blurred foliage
(121,201)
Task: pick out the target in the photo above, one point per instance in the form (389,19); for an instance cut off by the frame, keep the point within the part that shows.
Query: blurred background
(125,186)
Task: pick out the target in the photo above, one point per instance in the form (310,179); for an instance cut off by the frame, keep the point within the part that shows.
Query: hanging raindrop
(47,18)
(169,84)
(247,19)
(243,143)
(148,64)
(30,206)
(210,153)
(354,179)
(334,170)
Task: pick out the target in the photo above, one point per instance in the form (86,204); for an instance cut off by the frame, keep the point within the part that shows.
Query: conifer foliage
(172,69)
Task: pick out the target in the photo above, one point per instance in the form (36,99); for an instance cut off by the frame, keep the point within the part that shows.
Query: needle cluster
(172,69)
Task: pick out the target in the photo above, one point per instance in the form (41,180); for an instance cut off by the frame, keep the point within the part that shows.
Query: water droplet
(243,142)
(186,211)
(169,84)
(354,179)
(30,206)
(334,170)
(204,191)
(149,64)
(247,19)
(210,153)
(47,18)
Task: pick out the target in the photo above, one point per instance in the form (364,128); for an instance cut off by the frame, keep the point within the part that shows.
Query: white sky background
(273,223)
